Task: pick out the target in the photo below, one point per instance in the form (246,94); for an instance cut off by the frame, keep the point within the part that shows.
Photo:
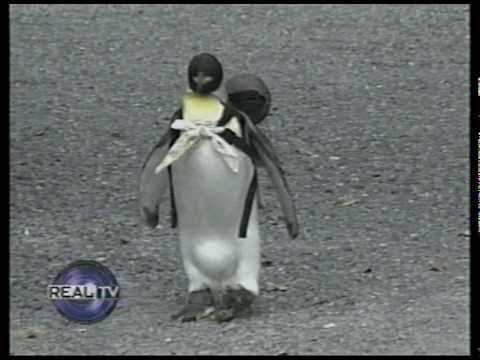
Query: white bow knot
(191,134)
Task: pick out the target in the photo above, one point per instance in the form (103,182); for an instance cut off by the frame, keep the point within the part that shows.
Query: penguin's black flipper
(265,153)
(152,186)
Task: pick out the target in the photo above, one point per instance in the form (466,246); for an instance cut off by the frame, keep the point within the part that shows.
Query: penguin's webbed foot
(199,305)
(223,314)
(235,301)
(238,299)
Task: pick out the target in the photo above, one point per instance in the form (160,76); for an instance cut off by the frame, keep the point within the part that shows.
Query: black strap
(248,206)
(228,113)
(240,143)
(173,207)
(172,199)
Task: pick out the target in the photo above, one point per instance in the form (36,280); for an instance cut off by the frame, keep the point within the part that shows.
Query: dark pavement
(370,117)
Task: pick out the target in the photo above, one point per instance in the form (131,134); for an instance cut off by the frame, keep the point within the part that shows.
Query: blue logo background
(84,272)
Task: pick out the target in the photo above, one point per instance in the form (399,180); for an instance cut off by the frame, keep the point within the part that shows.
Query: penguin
(208,159)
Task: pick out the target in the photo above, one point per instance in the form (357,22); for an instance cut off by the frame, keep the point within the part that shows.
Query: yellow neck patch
(202,108)
(207,109)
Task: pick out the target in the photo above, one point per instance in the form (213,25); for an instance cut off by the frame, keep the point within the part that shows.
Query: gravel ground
(370,116)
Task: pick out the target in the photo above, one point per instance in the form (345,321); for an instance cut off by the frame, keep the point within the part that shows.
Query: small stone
(168,340)
(348,203)
(267,263)
(276,287)
(34,332)
(330,325)
(438,264)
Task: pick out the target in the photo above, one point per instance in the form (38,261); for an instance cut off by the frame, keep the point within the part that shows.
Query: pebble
(330,325)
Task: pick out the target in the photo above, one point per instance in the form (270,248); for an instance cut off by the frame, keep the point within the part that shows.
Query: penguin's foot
(223,314)
(235,301)
(199,305)
(193,313)
(238,299)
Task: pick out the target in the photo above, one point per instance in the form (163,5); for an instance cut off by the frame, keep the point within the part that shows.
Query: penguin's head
(205,74)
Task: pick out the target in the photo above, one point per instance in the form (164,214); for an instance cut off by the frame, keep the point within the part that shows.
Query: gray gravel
(370,117)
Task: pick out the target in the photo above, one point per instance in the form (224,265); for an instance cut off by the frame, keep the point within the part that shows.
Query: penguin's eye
(202,79)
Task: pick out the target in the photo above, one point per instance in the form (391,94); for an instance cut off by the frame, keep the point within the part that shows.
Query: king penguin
(208,158)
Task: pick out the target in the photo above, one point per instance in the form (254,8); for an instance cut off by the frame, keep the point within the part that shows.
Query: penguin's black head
(205,73)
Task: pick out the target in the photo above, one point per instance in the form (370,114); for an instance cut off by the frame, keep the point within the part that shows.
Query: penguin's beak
(201,80)
(200,88)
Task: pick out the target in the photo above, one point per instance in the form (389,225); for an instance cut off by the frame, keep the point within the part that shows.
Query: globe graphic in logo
(85,292)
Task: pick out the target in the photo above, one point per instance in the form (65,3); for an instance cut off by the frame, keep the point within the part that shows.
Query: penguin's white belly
(210,200)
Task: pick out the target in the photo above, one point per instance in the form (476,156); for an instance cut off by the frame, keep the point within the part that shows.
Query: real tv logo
(85,292)
(82,292)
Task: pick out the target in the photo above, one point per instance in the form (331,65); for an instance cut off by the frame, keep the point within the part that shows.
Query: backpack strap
(175,135)
(242,233)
